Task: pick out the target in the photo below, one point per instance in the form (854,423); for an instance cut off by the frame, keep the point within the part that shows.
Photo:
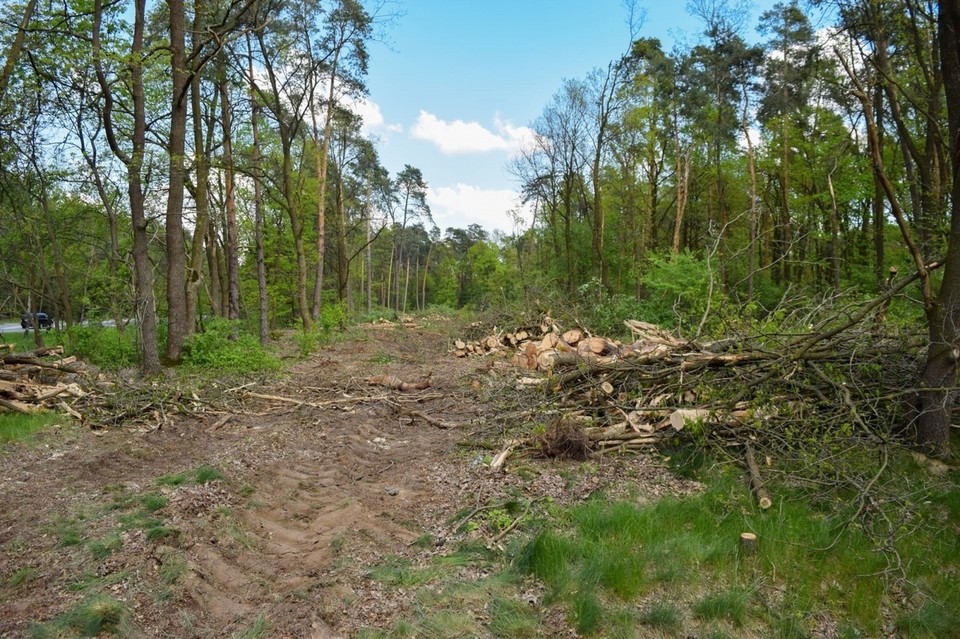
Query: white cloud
(373,120)
(460,137)
(461,205)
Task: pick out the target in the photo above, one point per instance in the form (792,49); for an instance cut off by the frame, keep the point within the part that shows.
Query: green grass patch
(92,617)
(729,605)
(674,567)
(21,576)
(662,616)
(69,531)
(596,554)
(173,566)
(206,474)
(400,573)
(173,479)
(512,619)
(259,628)
(106,546)
(21,426)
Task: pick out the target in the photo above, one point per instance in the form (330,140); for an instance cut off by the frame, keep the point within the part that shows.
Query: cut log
(395,383)
(546,359)
(501,458)
(572,336)
(756,481)
(460,344)
(651,333)
(599,346)
(20,407)
(549,341)
(748,543)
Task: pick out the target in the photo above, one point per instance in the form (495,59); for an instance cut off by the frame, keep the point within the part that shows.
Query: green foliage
(676,289)
(223,347)
(21,426)
(105,346)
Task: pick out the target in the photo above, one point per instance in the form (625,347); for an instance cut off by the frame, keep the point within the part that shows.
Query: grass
(21,576)
(259,628)
(662,616)
(203,474)
(673,567)
(22,426)
(730,605)
(94,616)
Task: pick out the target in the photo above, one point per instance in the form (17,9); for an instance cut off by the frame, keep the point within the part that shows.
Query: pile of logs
(35,381)
(541,347)
(546,347)
(771,391)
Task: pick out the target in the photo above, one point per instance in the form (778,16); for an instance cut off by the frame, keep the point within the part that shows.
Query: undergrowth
(224,346)
(21,426)
(611,568)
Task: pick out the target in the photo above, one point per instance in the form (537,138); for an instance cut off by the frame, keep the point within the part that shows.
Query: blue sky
(459,82)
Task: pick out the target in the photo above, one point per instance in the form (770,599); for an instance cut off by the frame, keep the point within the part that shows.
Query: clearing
(269,518)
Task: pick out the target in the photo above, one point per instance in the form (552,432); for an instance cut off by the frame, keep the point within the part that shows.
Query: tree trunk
(200,195)
(145,307)
(932,427)
(322,180)
(176,255)
(230,205)
(258,204)
(13,53)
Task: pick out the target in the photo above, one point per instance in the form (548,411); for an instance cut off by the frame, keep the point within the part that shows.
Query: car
(43,320)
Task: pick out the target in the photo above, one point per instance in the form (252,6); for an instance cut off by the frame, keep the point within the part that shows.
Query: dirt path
(267,524)
(307,492)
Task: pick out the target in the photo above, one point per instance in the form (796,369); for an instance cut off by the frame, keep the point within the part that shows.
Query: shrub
(105,346)
(223,346)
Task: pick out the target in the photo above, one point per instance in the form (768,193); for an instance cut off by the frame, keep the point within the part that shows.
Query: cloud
(373,120)
(461,205)
(460,137)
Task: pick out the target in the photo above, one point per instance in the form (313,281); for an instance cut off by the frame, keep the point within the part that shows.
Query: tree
(343,49)
(133,160)
(932,428)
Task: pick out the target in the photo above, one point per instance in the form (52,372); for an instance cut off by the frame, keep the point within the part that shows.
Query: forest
(166,163)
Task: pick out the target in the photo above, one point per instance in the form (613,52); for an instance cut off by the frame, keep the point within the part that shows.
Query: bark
(322,160)
(230,205)
(143,273)
(176,254)
(258,205)
(287,128)
(932,426)
(751,164)
(13,53)
(201,167)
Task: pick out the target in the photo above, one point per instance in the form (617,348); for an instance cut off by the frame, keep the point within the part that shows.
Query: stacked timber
(34,381)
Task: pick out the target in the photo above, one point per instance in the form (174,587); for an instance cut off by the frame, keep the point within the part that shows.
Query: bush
(223,346)
(105,346)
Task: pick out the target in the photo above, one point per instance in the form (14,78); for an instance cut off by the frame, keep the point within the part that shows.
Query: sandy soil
(312,497)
